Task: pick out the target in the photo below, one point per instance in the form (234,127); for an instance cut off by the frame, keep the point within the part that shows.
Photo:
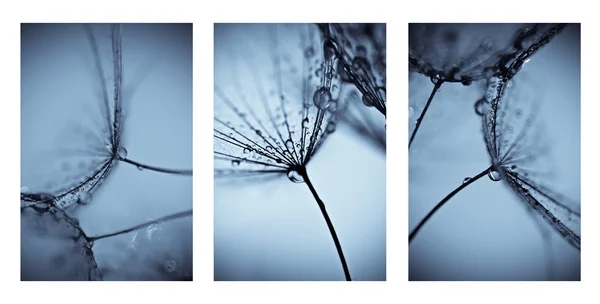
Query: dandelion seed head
(520,153)
(281,117)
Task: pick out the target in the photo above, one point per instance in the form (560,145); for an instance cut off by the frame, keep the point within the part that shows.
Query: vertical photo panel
(299,152)
(106,152)
(494,152)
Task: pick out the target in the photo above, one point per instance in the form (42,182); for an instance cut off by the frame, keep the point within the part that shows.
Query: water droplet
(466,81)
(258,132)
(322,98)
(367,101)
(295,176)
(411,111)
(140,168)
(309,52)
(235,162)
(330,127)
(84,198)
(289,144)
(24,189)
(495,173)
(122,153)
(466,180)
(435,79)
(329,49)
(247,150)
(305,123)
(509,84)
(170,266)
(480,106)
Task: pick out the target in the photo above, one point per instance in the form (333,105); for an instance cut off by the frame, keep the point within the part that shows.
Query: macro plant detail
(437,51)
(518,121)
(64,170)
(279,98)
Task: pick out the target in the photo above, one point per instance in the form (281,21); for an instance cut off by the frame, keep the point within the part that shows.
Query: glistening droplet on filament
(295,176)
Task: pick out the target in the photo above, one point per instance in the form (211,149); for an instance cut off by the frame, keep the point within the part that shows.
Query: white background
(396,14)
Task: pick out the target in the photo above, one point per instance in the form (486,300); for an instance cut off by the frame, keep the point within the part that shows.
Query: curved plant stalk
(157,169)
(173,216)
(436,87)
(443,201)
(338,246)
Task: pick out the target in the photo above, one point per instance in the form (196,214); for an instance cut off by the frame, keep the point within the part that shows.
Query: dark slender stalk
(435,88)
(442,202)
(162,219)
(338,246)
(157,169)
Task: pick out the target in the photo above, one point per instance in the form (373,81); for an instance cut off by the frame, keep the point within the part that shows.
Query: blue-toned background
(60,108)
(273,230)
(485,232)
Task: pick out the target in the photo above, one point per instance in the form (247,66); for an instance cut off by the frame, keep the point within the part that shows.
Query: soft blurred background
(486,232)
(272,229)
(61,111)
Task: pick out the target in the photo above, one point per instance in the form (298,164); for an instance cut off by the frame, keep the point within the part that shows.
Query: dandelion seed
(291,132)
(433,55)
(513,155)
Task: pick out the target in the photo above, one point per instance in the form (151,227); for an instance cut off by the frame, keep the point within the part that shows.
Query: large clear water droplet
(84,198)
(170,266)
(140,168)
(295,176)
(122,153)
(480,107)
(322,98)
(495,174)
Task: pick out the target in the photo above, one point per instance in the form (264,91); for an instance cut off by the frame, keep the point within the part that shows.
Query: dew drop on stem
(466,180)
(295,176)
(480,107)
(495,174)
(322,98)
(122,153)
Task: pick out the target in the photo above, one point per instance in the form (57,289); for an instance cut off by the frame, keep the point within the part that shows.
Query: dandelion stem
(442,202)
(435,88)
(162,219)
(157,169)
(338,246)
